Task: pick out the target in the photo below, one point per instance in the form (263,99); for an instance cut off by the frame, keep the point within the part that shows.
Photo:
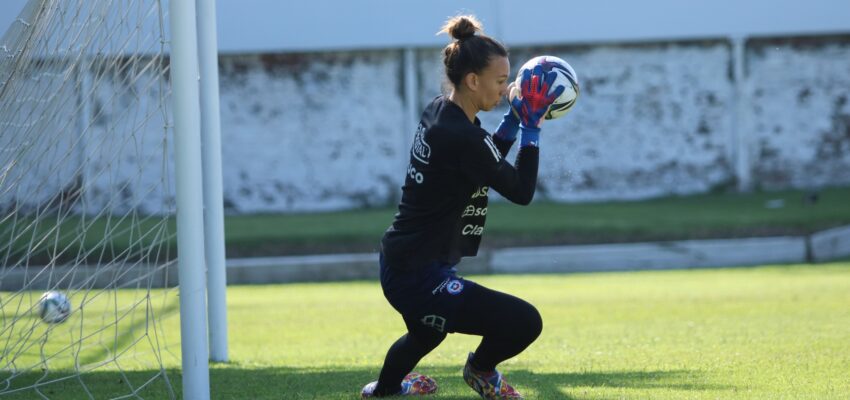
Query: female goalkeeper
(453,164)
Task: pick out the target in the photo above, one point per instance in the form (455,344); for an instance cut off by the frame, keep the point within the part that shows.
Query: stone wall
(311,132)
(327,131)
(799,111)
(653,119)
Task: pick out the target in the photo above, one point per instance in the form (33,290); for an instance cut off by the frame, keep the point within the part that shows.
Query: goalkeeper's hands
(534,98)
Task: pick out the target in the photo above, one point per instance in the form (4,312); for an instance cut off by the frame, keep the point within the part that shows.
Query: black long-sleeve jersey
(453,163)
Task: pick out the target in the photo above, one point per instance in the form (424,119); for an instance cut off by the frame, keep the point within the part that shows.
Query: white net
(86,208)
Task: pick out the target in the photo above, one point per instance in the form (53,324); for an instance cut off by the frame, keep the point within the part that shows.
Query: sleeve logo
(421,150)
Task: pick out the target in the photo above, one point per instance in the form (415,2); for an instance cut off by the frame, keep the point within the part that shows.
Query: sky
(274,25)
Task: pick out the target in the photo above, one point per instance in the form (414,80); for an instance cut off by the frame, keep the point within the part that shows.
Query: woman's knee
(533,323)
(527,323)
(426,338)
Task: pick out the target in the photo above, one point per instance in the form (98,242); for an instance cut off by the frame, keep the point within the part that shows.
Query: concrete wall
(308,125)
(312,131)
(318,131)
(324,131)
(110,152)
(799,111)
(651,120)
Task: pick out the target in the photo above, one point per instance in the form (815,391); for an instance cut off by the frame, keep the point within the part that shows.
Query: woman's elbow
(524,199)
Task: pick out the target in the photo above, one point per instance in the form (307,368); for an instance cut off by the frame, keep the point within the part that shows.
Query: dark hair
(468,52)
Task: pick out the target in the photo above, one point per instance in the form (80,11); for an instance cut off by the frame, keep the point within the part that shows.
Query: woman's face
(493,83)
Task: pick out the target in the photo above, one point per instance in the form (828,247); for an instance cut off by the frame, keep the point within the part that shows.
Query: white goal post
(190,217)
(200,217)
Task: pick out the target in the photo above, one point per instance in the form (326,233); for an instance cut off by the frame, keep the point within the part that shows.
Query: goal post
(212,171)
(190,217)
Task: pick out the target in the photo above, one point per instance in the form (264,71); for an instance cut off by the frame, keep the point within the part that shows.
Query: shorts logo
(434,321)
(454,286)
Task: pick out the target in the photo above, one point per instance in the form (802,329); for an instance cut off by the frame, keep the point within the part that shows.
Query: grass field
(672,218)
(542,223)
(773,332)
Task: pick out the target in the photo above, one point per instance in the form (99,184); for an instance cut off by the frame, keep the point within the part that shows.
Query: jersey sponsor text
(472,211)
(474,230)
(481,192)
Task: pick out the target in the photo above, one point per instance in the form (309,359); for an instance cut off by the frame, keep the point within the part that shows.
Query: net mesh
(86,204)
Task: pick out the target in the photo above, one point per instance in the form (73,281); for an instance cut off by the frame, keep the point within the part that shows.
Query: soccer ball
(54,307)
(566,77)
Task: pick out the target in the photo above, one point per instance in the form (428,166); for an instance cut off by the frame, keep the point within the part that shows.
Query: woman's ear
(471,81)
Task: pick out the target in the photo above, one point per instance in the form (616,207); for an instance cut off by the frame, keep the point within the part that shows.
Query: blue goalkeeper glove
(533,101)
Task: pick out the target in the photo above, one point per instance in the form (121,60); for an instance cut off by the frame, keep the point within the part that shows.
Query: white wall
(311,132)
(318,131)
(324,130)
(799,113)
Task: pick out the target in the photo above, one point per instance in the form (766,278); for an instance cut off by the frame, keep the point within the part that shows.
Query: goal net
(86,203)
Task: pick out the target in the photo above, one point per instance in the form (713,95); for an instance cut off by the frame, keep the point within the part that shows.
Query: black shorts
(432,296)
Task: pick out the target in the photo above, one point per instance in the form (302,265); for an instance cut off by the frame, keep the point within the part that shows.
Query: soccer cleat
(490,385)
(414,384)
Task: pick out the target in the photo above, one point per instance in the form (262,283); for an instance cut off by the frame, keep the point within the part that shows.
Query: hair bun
(462,27)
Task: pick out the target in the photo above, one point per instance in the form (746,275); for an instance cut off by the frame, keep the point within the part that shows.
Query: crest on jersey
(421,150)
(454,286)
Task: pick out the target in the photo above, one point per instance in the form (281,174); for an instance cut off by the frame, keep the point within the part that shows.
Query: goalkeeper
(441,216)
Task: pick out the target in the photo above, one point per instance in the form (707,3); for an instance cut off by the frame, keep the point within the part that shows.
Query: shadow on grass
(149,384)
(32,381)
(341,383)
(229,381)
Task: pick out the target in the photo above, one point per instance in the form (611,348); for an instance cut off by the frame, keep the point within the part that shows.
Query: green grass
(109,335)
(773,332)
(675,218)
(60,238)
(693,217)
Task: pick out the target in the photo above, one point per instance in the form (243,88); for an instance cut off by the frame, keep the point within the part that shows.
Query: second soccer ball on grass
(54,307)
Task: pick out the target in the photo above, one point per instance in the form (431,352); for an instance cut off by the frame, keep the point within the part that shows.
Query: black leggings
(506,323)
